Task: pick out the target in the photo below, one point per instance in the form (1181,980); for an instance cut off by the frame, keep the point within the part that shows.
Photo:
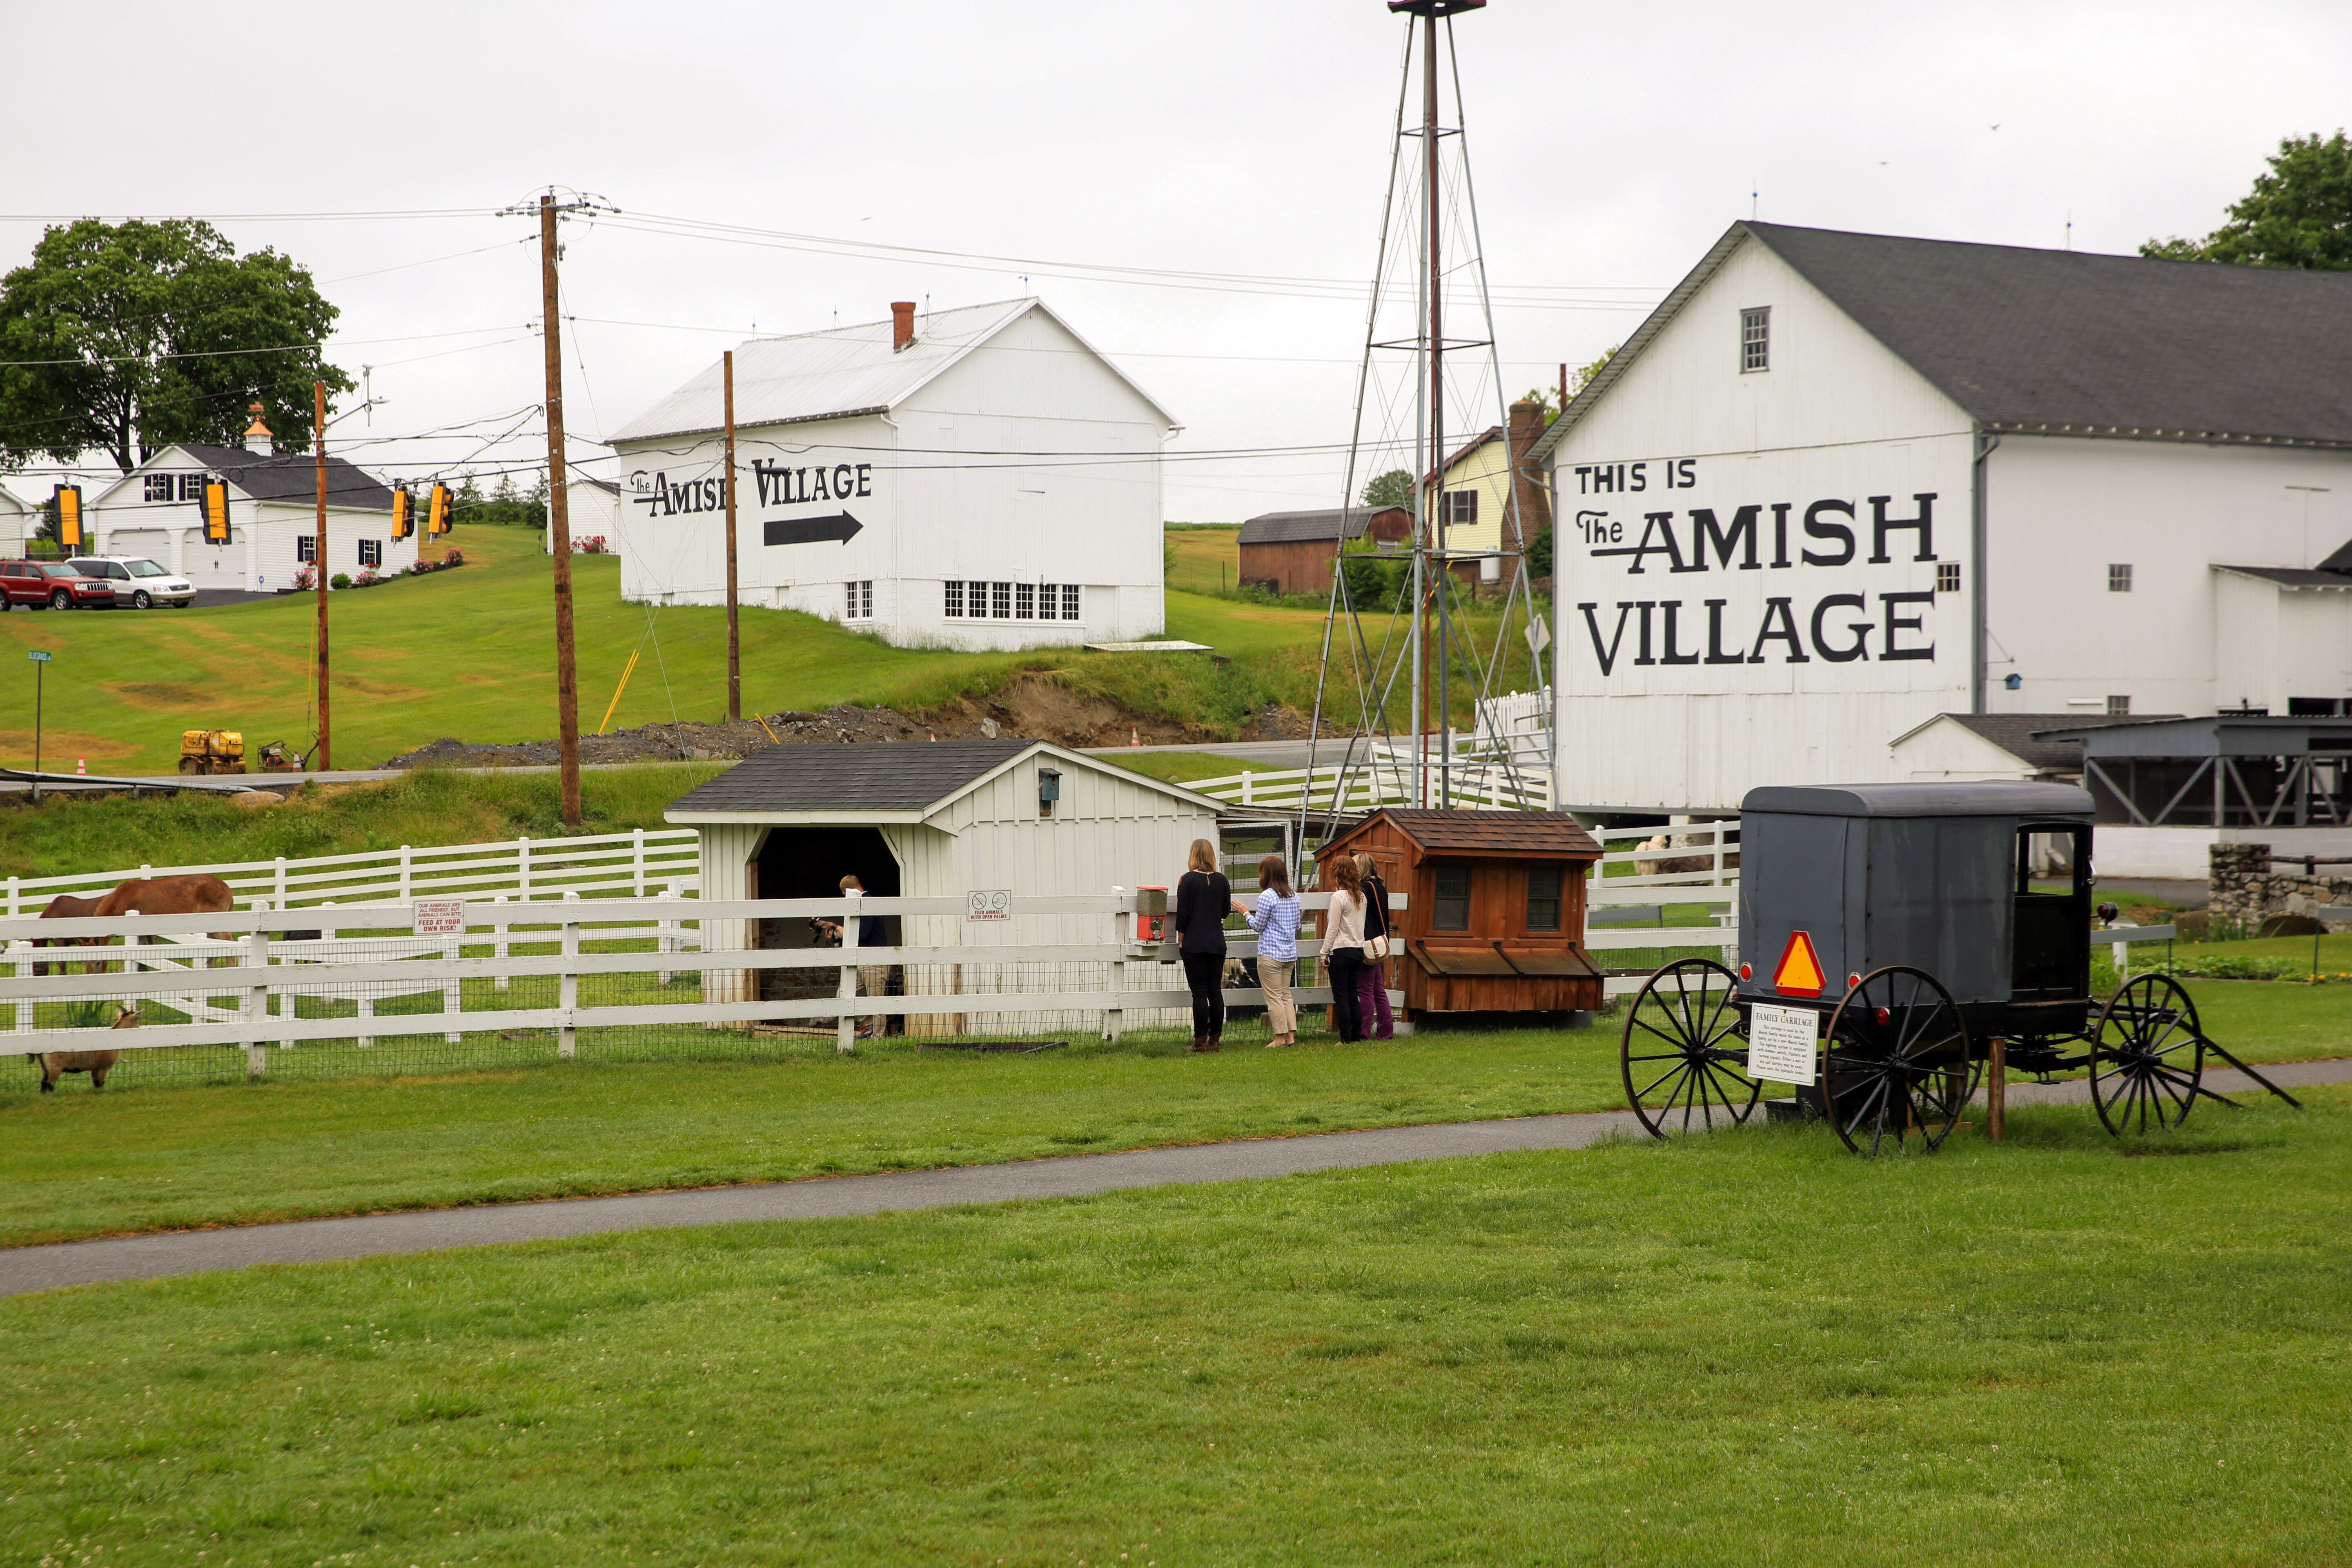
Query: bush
(455,557)
(306,578)
(368,578)
(340,579)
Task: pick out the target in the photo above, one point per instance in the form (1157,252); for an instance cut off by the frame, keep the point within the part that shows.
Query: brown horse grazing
(198,895)
(55,1065)
(65,907)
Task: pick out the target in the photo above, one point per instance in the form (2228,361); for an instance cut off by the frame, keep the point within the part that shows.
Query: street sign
(37,656)
(809,529)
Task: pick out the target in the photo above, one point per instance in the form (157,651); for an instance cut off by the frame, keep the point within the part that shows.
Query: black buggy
(1893,938)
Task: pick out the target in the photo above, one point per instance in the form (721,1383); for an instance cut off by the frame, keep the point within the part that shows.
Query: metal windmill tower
(1429,366)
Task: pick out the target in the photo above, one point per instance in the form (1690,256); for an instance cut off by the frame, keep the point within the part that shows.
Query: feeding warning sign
(439,917)
(1799,974)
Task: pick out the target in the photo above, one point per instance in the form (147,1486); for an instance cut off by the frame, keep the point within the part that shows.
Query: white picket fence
(641,863)
(240,976)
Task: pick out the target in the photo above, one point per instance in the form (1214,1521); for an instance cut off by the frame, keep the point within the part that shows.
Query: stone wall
(2246,886)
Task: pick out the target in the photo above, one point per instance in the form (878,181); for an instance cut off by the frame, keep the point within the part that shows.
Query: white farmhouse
(1838,484)
(976,478)
(16,521)
(154,510)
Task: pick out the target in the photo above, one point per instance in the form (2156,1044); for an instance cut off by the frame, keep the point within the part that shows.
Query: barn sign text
(778,485)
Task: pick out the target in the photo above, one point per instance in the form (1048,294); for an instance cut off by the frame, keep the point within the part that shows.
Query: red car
(34,585)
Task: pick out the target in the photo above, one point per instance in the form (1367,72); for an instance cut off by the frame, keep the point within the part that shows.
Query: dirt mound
(1029,708)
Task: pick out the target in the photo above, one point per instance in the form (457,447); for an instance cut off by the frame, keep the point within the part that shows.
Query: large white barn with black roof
(1837,484)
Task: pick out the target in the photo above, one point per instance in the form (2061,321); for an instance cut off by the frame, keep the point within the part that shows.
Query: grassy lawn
(470,654)
(1747,1349)
(1206,557)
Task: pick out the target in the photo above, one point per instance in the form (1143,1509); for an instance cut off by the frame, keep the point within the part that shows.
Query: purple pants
(1372,1001)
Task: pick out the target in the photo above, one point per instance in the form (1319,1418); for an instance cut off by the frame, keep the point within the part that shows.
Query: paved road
(168,1252)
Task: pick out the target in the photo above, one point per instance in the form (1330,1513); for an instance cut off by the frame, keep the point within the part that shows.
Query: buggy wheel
(2147,1054)
(1685,1051)
(1895,1064)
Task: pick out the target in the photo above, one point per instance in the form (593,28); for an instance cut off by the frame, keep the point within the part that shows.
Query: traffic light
(212,502)
(436,511)
(404,512)
(69,504)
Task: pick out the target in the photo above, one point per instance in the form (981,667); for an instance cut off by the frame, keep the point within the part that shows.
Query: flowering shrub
(418,567)
(306,577)
(368,578)
(590,544)
(455,557)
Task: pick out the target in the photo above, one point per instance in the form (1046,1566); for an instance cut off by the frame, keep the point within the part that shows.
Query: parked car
(138,580)
(52,585)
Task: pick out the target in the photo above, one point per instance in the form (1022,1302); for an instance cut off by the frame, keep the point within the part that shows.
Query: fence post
(278,887)
(453,989)
(845,1026)
(664,936)
(637,861)
(1114,1020)
(499,942)
(1247,798)
(567,1037)
(12,898)
(256,1000)
(407,865)
(522,867)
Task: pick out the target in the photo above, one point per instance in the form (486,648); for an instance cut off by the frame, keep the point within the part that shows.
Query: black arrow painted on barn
(809,529)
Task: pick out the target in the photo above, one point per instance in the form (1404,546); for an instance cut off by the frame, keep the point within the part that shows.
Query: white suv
(137,581)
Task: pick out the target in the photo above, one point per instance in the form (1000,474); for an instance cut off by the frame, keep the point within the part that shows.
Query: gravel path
(62,1264)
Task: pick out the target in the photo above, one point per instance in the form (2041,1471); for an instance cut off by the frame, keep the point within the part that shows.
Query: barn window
(2119,704)
(1069,600)
(1452,910)
(955,599)
(860,604)
(371,552)
(306,547)
(1001,600)
(2119,579)
(158,486)
(1756,338)
(1947,576)
(1543,898)
(1024,601)
(192,486)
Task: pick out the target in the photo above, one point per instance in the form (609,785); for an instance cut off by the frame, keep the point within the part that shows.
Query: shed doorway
(809,863)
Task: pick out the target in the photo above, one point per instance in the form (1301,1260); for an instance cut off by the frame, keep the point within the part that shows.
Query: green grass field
(1752,1348)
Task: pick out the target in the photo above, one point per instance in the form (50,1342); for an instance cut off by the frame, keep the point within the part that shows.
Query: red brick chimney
(1534,504)
(902,324)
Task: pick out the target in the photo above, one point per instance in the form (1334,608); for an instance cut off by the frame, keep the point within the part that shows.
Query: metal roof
(2067,342)
(1291,527)
(2292,576)
(904,780)
(1991,798)
(291,476)
(1536,833)
(2037,740)
(839,373)
(2219,734)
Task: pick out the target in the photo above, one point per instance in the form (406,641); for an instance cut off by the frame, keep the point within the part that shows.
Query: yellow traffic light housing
(438,509)
(213,502)
(404,512)
(69,504)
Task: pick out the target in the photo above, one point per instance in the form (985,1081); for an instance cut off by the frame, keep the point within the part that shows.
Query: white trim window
(1756,338)
(954,608)
(2120,578)
(1024,601)
(1947,576)
(1000,601)
(370,552)
(192,486)
(859,601)
(306,547)
(160,487)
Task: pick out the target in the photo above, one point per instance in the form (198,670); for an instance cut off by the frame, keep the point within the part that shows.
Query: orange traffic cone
(81,767)
(1132,737)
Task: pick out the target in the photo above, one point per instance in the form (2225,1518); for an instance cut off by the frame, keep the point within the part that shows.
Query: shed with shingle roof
(1291,551)
(1494,907)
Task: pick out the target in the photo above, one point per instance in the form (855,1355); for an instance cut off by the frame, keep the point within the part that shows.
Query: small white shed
(939,819)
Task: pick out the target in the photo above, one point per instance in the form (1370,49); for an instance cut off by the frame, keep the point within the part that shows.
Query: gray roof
(841,372)
(883,775)
(2036,738)
(2295,576)
(1992,799)
(2223,736)
(2059,342)
(292,477)
(1291,527)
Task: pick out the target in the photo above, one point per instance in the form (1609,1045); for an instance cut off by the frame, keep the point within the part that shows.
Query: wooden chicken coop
(1494,915)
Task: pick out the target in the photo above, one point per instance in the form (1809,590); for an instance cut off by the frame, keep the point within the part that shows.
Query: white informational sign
(1781,1043)
(988,906)
(440,917)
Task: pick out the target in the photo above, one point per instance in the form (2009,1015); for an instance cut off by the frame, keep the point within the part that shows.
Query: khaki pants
(1274,976)
(874,980)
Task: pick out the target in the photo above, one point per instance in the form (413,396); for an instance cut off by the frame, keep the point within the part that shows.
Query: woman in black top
(1203,898)
(1372,1001)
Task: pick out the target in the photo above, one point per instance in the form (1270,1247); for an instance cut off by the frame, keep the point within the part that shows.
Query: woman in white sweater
(1343,947)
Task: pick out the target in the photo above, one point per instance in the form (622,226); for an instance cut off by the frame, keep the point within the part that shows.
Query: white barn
(153,510)
(979,477)
(16,521)
(929,820)
(1838,484)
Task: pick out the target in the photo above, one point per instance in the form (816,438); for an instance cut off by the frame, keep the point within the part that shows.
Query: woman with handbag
(1203,898)
(1372,1001)
(1343,948)
(1275,922)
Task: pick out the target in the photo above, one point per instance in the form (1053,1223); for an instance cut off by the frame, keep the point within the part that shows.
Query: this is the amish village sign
(777,485)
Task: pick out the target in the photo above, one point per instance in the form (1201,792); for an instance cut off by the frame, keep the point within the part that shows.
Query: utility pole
(325,752)
(734,632)
(559,518)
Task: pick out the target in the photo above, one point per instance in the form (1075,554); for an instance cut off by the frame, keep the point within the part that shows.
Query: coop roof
(292,477)
(1293,527)
(885,781)
(1499,832)
(2064,341)
(1989,798)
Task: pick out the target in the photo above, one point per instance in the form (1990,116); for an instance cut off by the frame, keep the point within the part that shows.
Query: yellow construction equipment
(212,751)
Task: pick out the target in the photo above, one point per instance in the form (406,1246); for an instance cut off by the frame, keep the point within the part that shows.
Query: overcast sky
(1610,143)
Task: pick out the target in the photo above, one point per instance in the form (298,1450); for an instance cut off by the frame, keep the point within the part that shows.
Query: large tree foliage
(1391,488)
(125,337)
(2297,215)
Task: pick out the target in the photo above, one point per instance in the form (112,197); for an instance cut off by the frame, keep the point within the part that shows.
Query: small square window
(1543,898)
(192,486)
(2119,579)
(1024,601)
(1947,576)
(2119,704)
(1070,602)
(1452,910)
(371,552)
(1756,338)
(1458,508)
(158,486)
(1001,600)
(860,601)
(306,547)
(955,599)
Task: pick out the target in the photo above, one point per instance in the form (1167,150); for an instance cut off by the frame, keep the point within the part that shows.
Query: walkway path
(1079,1175)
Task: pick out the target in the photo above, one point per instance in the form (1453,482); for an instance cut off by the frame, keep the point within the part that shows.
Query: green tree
(122,338)
(1391,488)
(1582,377)
(2298,214)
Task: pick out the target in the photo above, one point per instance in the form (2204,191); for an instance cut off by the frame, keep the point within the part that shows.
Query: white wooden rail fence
(172,960)
(641,863)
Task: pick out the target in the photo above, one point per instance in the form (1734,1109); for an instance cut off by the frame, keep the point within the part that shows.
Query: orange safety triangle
(1799,974)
